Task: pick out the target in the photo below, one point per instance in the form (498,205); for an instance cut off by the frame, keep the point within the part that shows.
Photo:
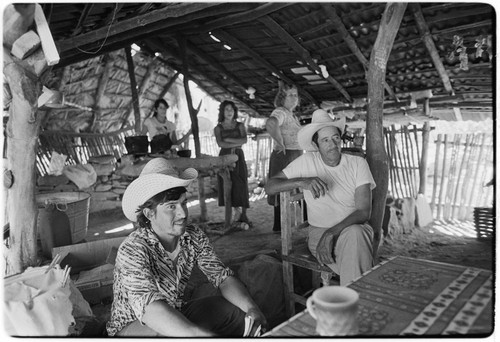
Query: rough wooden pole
(22,140)
(227,184)
(194,126)
(376,155)
(423,160)
(107,62)
(133,87)
(192,111)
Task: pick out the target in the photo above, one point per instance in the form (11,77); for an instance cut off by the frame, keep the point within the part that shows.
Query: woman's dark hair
(222,107)
(162,197)
(157,104)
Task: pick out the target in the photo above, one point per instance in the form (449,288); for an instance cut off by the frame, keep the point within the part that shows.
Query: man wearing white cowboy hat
(155,262)
(337,189)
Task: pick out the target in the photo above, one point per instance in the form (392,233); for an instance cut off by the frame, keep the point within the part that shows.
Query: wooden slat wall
(404,158)
(463,165)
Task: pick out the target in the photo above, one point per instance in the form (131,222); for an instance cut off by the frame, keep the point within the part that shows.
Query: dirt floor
(453,243)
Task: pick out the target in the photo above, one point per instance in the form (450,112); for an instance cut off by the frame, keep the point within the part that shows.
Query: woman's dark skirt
(239,179)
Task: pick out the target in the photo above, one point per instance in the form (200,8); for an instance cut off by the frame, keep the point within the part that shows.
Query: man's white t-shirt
(343,179)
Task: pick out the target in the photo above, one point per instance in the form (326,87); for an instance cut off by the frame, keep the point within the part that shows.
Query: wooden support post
(423,160)
(444,171)
(144,86)
(455,210)
(192,111)
(101,89)
(436,172)
(226,177)
(133,87)
(201,199)
(22,140)
(168,85)
(376,155)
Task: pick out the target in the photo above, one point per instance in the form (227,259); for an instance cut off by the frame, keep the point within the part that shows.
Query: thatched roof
(324,48)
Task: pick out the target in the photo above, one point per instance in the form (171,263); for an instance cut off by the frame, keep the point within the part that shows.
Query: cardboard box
(91,267)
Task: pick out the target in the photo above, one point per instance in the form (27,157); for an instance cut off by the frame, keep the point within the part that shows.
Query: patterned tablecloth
(405,296)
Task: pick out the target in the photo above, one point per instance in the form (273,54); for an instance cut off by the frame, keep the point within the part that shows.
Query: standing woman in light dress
(231,135)
(283,126)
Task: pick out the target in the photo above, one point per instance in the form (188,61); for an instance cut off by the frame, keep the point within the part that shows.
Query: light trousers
(353,250)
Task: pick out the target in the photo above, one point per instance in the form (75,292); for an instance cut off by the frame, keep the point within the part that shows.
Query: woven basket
(75,204)
(484,221)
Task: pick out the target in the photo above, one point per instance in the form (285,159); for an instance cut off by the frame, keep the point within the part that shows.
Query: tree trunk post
(133,88)
(22,142)
(376,154)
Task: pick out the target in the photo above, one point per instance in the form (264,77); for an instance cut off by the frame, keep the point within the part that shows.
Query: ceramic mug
(335,309)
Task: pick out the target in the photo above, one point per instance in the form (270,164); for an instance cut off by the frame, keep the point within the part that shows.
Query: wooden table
(406,296)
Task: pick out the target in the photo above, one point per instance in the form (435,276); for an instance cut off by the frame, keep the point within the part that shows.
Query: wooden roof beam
(138,25)
(214,63)
(431,48)
(172,51)
(144,85)
(351,43)
(238,18)
(302,52)
(256,57)
(83,16)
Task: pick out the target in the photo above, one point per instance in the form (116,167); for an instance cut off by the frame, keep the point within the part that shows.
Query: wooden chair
(296,252)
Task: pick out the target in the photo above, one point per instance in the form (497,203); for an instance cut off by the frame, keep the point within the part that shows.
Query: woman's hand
(280,148)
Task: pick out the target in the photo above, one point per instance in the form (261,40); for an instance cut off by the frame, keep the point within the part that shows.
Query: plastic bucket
(76,205)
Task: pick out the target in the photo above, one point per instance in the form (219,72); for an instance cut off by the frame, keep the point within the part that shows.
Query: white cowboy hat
(157,175)
(320,119)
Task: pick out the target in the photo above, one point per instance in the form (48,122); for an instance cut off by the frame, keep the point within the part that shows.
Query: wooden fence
(403,148)
(79,147)
(460,167)
(257,152)
(463,166)
(459,164)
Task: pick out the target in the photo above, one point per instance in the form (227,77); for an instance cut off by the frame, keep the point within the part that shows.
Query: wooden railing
(79,147)
(257,152)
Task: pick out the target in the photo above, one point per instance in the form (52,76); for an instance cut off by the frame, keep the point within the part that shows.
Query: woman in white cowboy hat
(282,126)
(337,189)
(155,262)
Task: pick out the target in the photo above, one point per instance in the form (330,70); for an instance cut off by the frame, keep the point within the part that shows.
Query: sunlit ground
(454,228)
